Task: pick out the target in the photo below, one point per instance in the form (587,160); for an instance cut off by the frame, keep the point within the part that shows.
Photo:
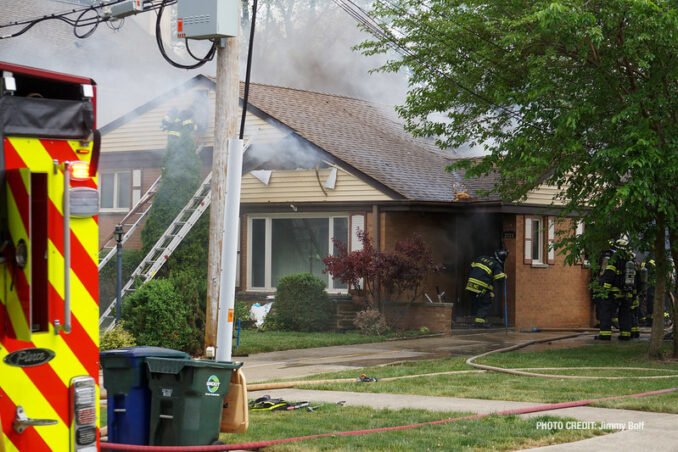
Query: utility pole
(225,127)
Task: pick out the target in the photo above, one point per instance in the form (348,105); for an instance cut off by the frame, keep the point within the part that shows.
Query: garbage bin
(186,400)
(129,398)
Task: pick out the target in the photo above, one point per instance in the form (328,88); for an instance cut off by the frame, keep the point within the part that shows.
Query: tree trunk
(673,237)
(657,335)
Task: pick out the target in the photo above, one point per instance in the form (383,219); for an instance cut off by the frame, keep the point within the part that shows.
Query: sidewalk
(657,432)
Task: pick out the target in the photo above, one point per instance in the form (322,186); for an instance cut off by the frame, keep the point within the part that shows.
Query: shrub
(242,313)
(117,337)
(301,304)
(157,315)
(370,322)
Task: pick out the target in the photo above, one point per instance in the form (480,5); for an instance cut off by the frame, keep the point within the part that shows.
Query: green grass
(500,386)
(254,341)
(495,433)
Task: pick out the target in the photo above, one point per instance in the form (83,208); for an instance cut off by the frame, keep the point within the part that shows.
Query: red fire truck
(49,335)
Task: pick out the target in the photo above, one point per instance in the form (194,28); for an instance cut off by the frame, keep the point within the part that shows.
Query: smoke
(308,45)
(125,63)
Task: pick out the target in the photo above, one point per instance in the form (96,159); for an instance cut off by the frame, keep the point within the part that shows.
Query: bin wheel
(217,443)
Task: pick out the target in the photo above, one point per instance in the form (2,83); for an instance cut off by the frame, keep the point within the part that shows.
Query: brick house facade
(384,181)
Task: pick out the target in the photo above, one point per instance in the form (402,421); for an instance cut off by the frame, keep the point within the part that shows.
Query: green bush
(301,304)
(157,315)
(117,337)
(242,313)
(370,322)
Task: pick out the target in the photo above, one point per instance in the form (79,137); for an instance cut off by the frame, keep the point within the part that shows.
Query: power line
(376,29)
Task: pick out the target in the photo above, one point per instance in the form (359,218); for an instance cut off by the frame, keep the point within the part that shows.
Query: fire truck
(49,335)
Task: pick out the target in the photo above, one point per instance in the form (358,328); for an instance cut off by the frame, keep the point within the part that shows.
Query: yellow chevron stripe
(9,447)
(20,388)
(68,364)
(86,230)
(18,232)
(33,154)
(83,306)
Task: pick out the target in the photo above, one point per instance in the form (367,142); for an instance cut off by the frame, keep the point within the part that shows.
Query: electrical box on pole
(207,19)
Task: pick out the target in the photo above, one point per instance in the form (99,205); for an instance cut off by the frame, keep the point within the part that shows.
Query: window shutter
(551,231)
(528,240)
(580,231)
(357,224)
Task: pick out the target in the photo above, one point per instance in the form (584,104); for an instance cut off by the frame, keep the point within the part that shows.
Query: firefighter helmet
(501,255)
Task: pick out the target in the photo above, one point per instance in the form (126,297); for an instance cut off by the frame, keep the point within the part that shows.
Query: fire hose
(261,444)
(482,367)
(525,371)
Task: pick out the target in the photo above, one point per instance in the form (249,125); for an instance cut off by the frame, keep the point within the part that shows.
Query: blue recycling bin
(128,394)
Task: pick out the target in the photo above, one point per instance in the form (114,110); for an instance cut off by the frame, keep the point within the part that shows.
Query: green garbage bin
(129,400)
(187,398)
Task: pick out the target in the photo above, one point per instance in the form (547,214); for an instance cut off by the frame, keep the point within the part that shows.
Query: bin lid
(174,366)
(144,351)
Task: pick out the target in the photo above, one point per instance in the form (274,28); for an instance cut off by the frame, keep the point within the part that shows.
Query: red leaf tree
(384,276)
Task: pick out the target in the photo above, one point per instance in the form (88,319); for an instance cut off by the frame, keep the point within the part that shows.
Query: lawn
(494,433)
(500,386)
(254,341)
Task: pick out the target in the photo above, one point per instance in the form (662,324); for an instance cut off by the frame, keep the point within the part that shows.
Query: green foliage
(180,179)
(371,322)
(578,95)
(117,337)
(157,315)
(242,314)
(301,304)
(107,275)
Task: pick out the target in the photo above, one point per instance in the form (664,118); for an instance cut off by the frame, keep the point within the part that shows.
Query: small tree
(392,276)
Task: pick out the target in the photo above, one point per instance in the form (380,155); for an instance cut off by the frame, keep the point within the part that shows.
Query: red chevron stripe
(29,439)
(46,380)
(12,158)
(62,151)
(81,262)
(80,343)
(20,195)
(8,330)
(23,293)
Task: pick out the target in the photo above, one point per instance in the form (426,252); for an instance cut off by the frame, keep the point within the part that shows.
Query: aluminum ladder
(164,246)
(130,222)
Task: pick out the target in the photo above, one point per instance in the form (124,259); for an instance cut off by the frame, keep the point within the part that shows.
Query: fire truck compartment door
(18,286)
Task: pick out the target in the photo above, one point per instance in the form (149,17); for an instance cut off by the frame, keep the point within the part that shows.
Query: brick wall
(541,296)
(437,317)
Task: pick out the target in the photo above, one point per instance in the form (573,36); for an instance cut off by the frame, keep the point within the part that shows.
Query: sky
(309,48)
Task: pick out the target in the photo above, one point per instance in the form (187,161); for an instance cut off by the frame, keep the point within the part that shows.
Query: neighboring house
(322,166)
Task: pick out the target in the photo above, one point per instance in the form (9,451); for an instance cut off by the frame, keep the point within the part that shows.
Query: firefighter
(598,294)
(618,281)
(485,270)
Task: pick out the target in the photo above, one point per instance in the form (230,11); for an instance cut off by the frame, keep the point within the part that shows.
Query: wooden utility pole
(225,127)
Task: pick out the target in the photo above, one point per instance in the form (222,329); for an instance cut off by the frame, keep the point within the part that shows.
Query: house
(322,166)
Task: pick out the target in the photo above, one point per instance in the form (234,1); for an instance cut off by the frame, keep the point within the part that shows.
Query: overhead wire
(78,19)
(376,28)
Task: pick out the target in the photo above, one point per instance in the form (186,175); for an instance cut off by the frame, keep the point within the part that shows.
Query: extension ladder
(137,214)
(164,247)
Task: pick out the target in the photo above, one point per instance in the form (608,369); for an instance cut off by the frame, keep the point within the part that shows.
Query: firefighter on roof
(485,270)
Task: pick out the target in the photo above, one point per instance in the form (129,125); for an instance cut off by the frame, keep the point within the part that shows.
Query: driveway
(300,363)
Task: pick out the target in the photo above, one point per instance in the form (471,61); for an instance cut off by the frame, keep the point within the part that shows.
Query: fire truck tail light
(84,395)
(86,415)
(86,435)
(80,170)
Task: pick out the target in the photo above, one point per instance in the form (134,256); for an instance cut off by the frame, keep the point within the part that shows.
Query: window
(281,245)
(115,190)
(539,239)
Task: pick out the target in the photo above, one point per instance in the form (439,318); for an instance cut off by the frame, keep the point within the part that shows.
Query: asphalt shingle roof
(363,135)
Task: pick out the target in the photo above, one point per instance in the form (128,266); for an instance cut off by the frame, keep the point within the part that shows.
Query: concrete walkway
(656,432)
